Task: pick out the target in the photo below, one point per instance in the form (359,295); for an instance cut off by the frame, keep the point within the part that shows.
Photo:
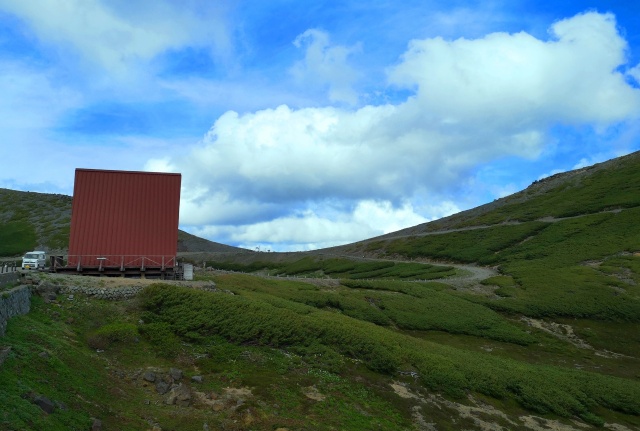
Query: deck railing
(8,267)
(122,262)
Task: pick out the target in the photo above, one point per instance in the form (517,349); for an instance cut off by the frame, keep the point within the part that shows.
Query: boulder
(162,387)
(180,395)
(44,403)
(175,374)
(47,290)
(149,376)
(96,425)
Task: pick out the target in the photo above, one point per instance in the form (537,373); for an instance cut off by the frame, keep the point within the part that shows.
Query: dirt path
(475,274)
(549,219)
(469,274)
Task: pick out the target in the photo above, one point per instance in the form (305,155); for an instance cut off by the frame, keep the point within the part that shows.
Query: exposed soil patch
(313,393)
(402,391)
(559,330)
(485,417)
(565,333)
(536,423)
(229,399)
(617,427)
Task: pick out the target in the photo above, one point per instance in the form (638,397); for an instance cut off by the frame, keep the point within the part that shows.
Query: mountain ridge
(535,189)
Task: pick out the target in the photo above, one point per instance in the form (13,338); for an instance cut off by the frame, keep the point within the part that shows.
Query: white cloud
(384,218)
(30,105)
(518,80)
(634,73)
(117,34)
(249,94)
(437,210)
(30,100)
(326,65)
(475,100)
(315,229)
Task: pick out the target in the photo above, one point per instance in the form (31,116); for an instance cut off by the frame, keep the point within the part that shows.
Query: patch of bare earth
(617,427)
(565,333)
(485,417)
(536,423)
(313,393)
(229,399)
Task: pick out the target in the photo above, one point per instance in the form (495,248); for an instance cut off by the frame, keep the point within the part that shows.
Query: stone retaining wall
(113,293)
(9,277)
(13,303)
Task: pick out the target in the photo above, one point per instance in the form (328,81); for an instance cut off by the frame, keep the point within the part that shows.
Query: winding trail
(548,219)
(471,274)
(475,275)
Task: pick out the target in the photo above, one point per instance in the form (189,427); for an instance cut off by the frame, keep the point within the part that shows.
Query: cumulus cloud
(474,100)
(246,95)
(326,65)
(30,100)
(520,82)
(309,228)
(118,34)
(30,105)
(634,73)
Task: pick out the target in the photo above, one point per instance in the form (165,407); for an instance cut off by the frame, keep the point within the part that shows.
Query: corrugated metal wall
(124,216)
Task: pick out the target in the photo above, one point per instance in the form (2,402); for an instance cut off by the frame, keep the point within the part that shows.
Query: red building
(124,223)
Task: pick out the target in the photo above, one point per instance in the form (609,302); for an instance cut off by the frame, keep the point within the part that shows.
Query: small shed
(124,223)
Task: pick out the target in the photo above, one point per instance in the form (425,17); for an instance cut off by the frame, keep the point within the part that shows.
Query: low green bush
(406,305)
(113,333)
(342,268)
(543,389)
(506,286)
(16,237)
(162,337)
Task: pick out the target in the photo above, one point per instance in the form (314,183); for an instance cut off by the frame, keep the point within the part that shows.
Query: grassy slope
(580,266)
(608,185)
(54,354)
(29,220)
(244,319)
(314,266)
(270,338)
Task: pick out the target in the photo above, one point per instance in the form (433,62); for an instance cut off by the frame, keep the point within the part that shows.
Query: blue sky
(299,125)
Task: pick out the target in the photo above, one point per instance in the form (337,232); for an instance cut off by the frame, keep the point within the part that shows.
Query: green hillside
(572,249)
(29,220)
(523,314)
(607,186)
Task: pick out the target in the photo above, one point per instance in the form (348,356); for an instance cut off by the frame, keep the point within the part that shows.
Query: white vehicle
(34,260)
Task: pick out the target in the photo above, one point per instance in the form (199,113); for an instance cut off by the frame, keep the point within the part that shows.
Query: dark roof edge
(127,172)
